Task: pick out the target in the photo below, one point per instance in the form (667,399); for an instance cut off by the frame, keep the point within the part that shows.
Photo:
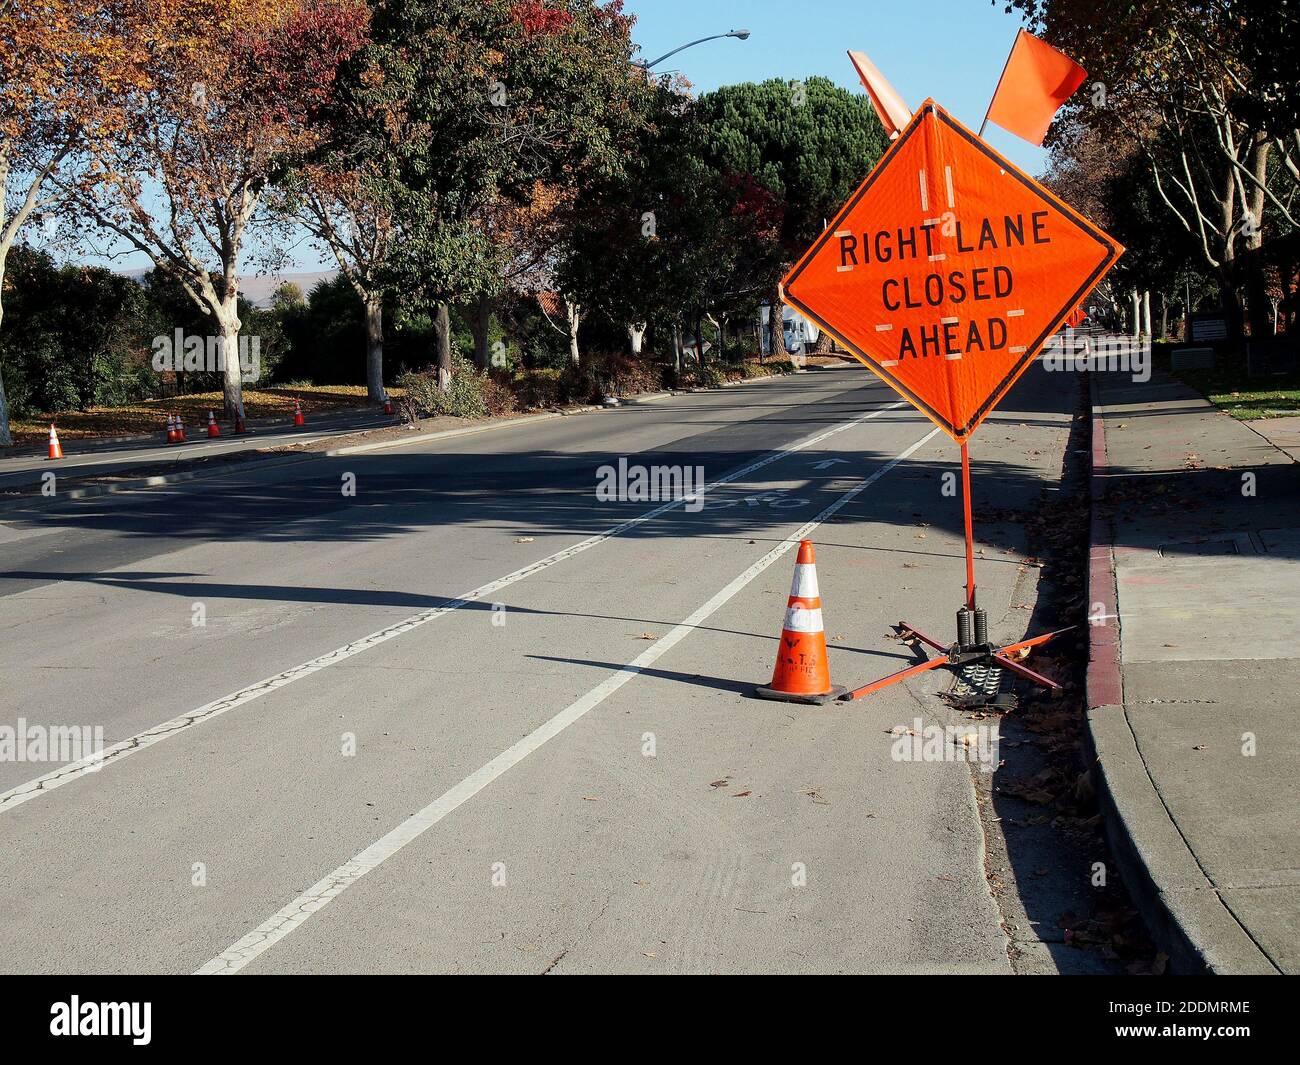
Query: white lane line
(56,778)
(320,894)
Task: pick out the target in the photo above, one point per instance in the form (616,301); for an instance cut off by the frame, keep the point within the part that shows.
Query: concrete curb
(1182,909)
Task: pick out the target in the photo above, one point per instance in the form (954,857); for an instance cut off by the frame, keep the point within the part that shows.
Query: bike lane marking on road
(113,754)
(315,898)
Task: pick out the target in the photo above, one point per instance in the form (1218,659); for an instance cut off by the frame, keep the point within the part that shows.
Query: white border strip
(113,754)
(320,894)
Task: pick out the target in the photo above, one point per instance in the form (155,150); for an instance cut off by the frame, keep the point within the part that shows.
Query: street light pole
(742,35)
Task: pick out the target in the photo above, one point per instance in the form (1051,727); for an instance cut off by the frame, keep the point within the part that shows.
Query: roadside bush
(538,389)
(465,398)
(622,375)
(710,375)
(740,350)
(498,396)
(579,384)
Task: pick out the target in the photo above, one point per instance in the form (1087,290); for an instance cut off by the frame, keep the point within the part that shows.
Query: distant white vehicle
(800,334)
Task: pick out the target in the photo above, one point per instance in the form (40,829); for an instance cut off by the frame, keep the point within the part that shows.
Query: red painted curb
(1104,685)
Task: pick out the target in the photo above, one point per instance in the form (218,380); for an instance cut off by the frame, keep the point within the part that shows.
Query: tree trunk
(482,324)
(375,348)
(775,333)
(6,438)
(574,314)
(1230,297)
(232,384)
(636,335)
(1146,312)
(442,340)
(1256,283)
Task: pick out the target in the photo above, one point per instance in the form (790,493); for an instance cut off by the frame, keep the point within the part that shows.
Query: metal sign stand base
(972,646)
(956,655)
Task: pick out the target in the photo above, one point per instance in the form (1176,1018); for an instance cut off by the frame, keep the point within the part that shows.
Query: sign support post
(972,646)
(970,526)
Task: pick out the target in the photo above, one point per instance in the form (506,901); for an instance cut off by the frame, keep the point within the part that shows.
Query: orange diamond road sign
(948,270)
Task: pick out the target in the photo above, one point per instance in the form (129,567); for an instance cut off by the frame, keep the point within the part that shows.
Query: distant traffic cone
(388,404)
(802,673)
(298,419)
(239,422)
(214,430)
(56,449)
(173,434)
(180,430)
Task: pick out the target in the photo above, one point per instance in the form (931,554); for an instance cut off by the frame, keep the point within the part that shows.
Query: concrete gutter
(1182,909)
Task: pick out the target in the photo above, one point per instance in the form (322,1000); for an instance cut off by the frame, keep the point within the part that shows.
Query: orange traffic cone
(56,449)
(180,430)
(172,435)
(388,404)
(298,419)
(239,422)
(214,430)
(802,673)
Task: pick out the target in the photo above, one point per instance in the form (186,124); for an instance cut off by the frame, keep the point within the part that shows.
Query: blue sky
(952,50)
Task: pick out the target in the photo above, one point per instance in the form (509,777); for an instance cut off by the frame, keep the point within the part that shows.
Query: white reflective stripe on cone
(801,619)
(804,585)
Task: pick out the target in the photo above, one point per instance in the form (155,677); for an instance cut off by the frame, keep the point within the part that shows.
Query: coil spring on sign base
(965,628)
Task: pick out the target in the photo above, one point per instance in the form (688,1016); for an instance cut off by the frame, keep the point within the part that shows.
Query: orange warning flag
(893,113)
(1035,82)
(948,270)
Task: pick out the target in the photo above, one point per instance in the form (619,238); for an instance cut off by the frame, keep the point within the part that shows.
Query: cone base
(797,697)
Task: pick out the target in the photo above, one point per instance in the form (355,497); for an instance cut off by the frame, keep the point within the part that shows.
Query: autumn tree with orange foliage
(62,67)
(227,97)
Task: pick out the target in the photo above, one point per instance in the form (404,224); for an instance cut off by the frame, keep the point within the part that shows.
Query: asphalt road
(557,763)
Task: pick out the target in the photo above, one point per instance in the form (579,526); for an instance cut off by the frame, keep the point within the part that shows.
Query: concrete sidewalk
(1195,670)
